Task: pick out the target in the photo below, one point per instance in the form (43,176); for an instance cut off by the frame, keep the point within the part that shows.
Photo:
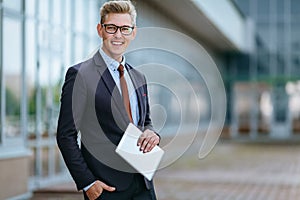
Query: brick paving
(232,171)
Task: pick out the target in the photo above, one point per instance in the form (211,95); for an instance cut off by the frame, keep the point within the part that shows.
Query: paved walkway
(234,172)
(230,172)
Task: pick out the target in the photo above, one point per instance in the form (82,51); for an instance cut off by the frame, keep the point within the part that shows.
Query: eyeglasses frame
(118,27)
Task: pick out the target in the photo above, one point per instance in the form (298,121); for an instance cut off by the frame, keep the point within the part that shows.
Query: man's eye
(125,28)
(111,28)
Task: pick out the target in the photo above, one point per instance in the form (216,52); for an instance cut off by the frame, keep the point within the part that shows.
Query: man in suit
(100,97)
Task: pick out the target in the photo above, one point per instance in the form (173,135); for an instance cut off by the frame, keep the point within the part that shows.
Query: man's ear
(99,30)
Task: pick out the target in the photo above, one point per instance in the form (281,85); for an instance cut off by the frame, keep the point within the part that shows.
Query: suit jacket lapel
(110,84)
(137,86)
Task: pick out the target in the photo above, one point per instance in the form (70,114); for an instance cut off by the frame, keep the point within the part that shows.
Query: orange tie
(124,90)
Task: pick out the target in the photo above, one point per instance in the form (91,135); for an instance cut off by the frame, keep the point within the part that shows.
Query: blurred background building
(266,82)
(255,44)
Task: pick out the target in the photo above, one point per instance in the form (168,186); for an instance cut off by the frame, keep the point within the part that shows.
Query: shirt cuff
(88,187)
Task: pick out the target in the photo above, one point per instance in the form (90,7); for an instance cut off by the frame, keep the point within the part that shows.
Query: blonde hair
(118,6)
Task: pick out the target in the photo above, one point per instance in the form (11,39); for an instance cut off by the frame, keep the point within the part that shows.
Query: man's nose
(118,33)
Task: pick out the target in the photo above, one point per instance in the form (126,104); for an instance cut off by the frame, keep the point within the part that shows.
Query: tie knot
(121,70)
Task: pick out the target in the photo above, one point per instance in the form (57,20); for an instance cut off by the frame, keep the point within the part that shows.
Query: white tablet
(145,163)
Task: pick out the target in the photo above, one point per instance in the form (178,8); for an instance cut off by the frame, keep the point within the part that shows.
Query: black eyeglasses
(112,29)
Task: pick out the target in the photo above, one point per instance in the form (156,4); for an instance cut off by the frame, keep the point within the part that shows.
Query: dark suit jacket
(92,104)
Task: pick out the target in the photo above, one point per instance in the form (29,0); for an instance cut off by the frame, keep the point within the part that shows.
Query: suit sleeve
(67,129)
(148,122)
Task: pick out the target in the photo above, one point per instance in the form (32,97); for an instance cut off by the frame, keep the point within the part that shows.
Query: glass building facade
(266,82)
(39,39)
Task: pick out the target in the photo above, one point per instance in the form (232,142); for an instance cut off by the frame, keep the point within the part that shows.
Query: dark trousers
(136,191)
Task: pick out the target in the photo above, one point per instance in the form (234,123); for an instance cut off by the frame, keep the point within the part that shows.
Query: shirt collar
(110,62)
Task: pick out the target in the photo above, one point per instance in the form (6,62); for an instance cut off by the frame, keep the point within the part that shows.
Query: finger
(93,195)
(94,191)
(154,141)
(141,139)
(149,146)
(144,144)
(107,188)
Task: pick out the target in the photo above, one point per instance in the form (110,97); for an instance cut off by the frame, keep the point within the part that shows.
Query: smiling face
(115,45)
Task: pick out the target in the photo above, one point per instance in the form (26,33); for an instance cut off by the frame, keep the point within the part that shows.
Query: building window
(12,4)
(30,8)
(12,76)
(295,8)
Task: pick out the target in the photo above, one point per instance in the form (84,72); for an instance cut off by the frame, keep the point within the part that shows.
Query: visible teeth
(117,43)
